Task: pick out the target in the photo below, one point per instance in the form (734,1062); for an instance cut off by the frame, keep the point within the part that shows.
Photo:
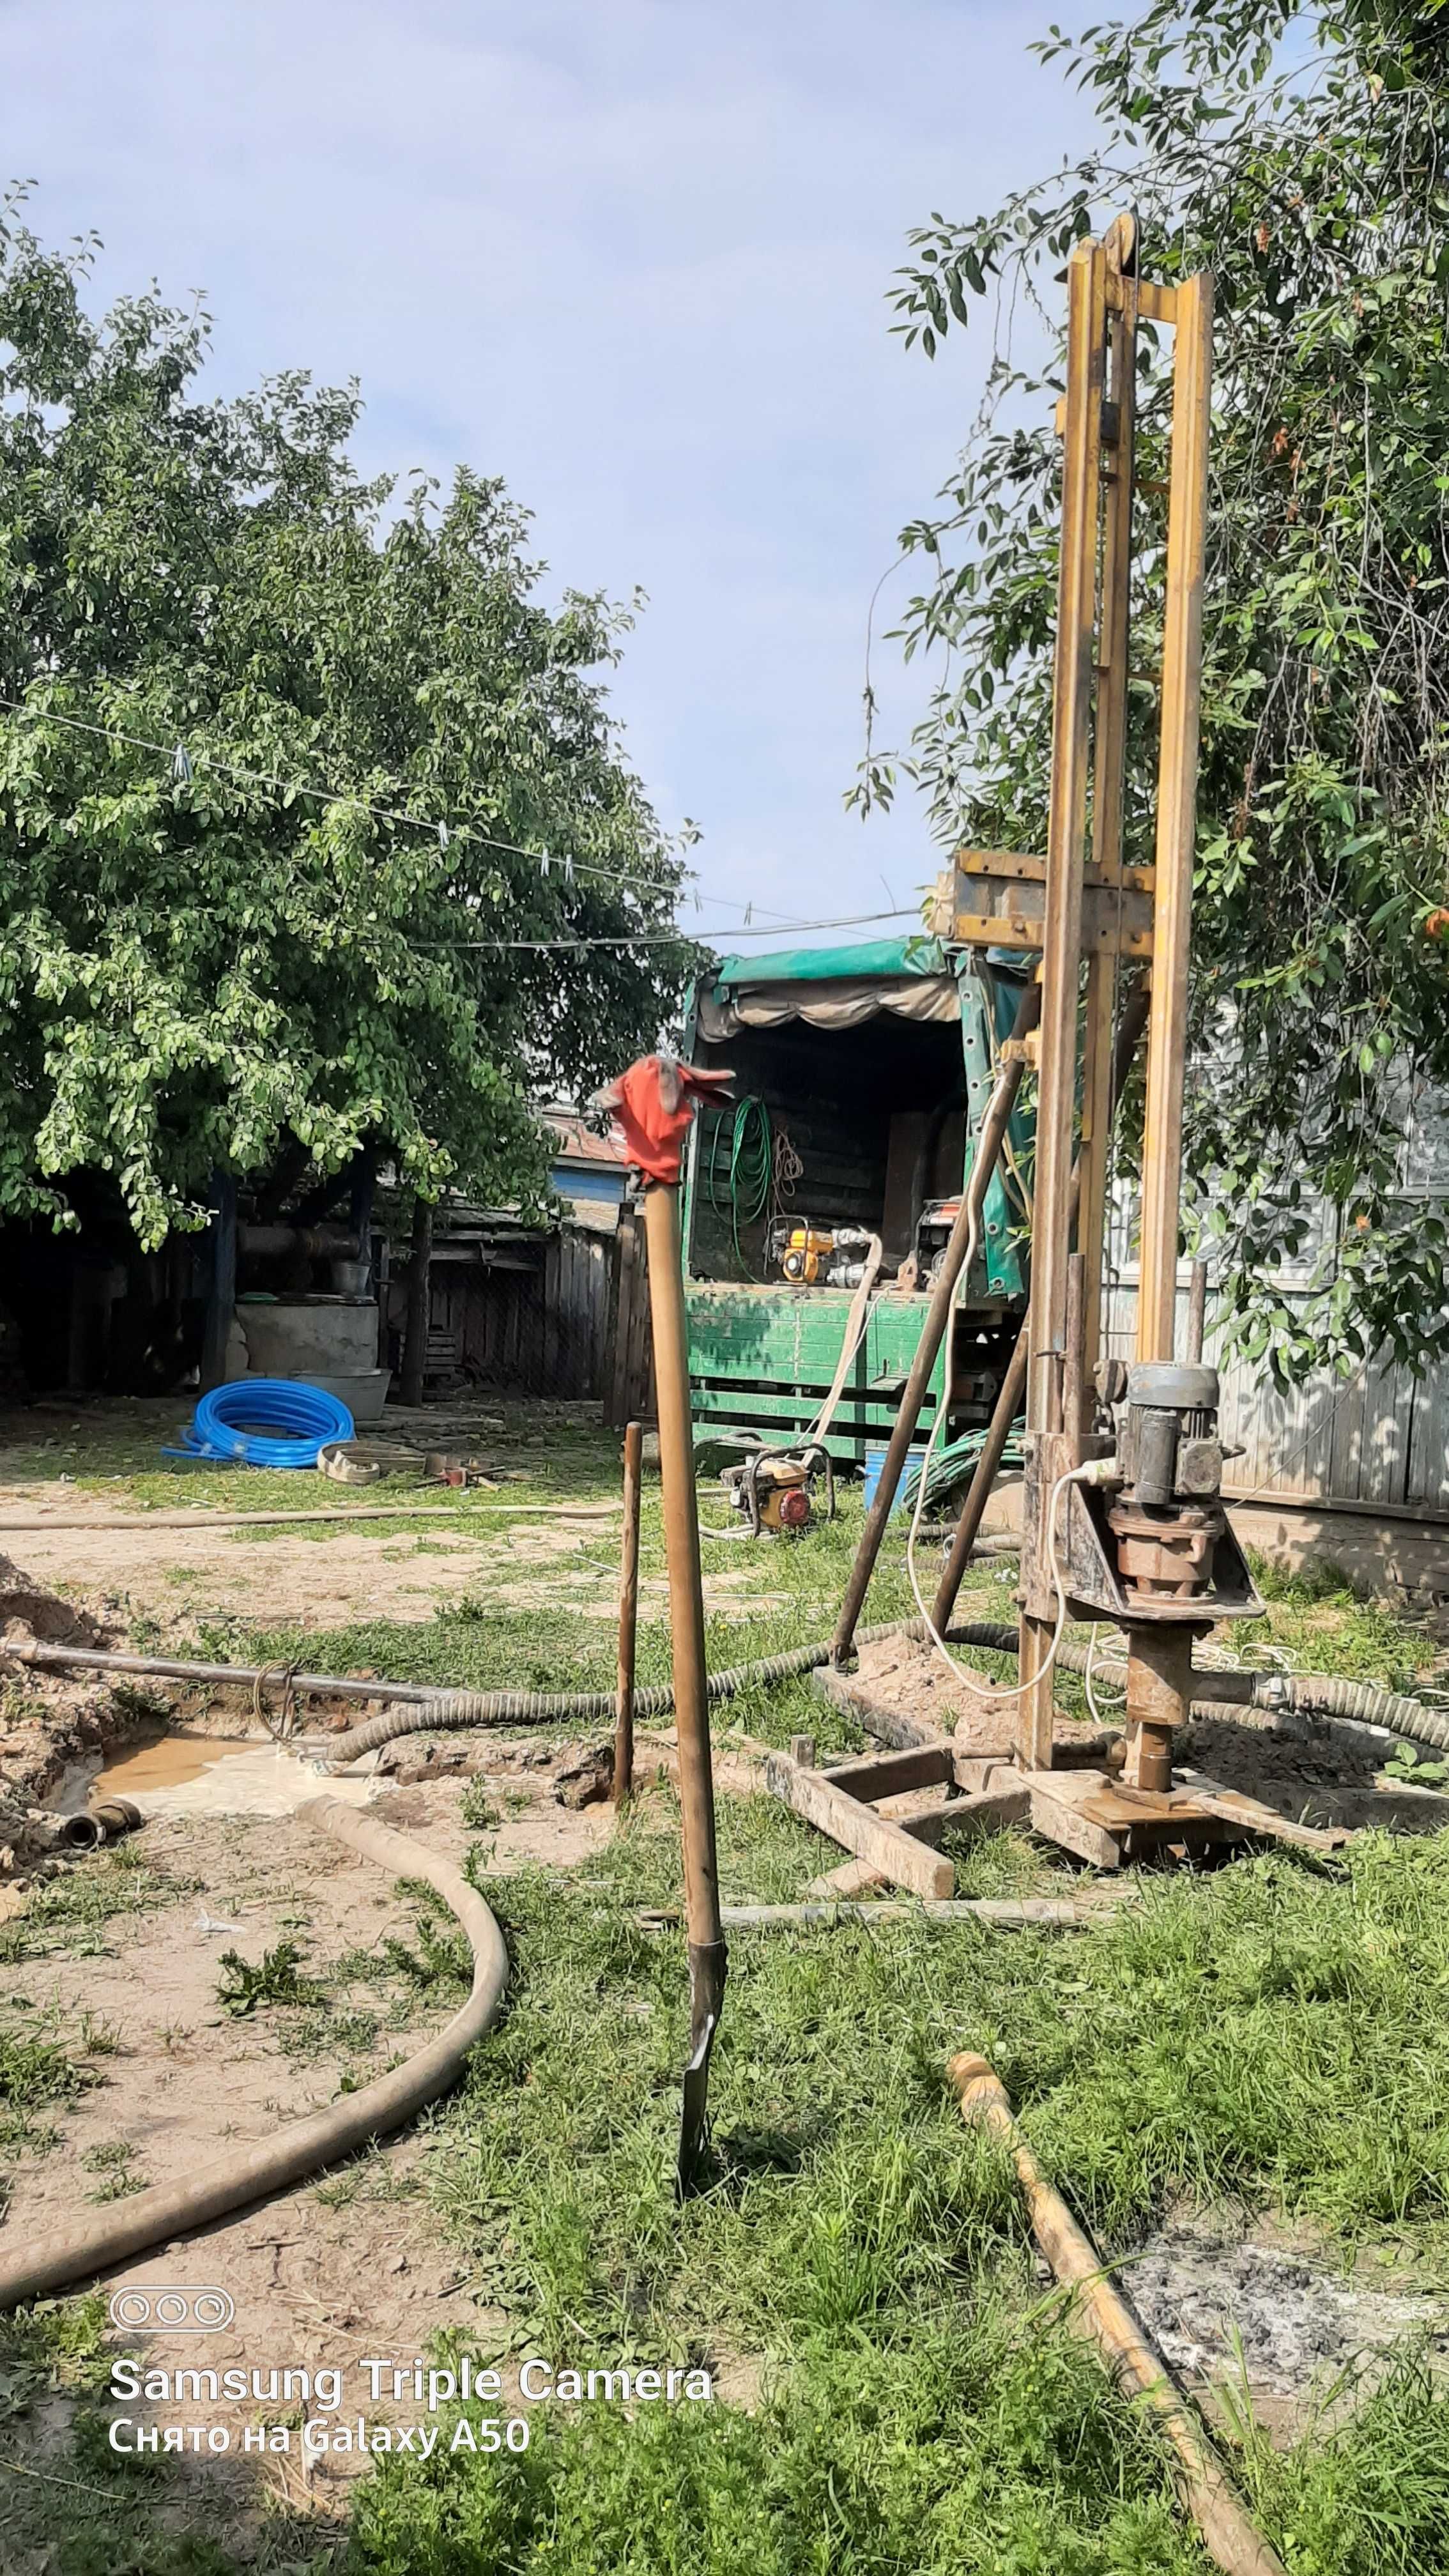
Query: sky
(632,255)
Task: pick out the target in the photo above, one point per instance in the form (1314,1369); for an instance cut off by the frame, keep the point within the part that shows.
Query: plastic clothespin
(442,836)
(181,765)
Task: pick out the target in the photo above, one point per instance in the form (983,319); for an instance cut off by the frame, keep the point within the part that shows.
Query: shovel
(654,1103)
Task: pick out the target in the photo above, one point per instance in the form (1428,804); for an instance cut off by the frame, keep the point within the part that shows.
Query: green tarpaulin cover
(917,955)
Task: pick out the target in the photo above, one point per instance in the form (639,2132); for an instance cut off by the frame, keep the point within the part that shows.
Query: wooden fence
(1376,1442)
(629,1382)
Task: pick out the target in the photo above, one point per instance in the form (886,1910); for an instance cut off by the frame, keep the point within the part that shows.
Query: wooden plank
(1259,1819)
(1061,1823)
(852,1878)
(1155,303)
(887,1725)
(898,1855)
(1104,1822)
(547,1362)
(886,1775)
(1006,1802)
(1101,934)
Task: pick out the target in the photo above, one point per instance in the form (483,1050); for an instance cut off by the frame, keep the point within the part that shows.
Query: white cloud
(631,256)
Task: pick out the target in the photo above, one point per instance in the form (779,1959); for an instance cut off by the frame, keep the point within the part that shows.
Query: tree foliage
(202,964)
(1303,156)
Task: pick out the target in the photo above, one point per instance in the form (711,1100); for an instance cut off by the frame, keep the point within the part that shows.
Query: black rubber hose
(1361,1703)
(519,1708)
(79,2249)
(508,1708)
(418,1707)
(1321,1694)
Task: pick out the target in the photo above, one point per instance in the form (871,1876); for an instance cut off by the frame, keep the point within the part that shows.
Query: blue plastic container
(875,1460)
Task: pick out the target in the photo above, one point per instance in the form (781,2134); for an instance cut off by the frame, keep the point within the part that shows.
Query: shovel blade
(706,1995)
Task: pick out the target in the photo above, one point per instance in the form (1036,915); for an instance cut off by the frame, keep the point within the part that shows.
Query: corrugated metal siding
(1380,1438)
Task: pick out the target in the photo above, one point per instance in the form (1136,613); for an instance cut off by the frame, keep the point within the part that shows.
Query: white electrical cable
(1100,1714)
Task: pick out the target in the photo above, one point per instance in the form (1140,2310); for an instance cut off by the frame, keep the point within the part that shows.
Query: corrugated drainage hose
(1322,1694)
(131,2227)
(1360,1703)
(418,1707)
(519,1708)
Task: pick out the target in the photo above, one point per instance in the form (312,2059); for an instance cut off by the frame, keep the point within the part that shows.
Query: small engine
(812,1256)
(774,1488)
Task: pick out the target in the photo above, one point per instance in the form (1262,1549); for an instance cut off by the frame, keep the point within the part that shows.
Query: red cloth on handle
(653,1104)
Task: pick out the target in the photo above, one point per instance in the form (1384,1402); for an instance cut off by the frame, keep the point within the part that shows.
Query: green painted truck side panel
(763,1359)
(999,1267)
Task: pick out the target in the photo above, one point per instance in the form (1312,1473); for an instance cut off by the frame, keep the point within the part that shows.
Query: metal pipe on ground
(106,1822)
(116,2235)
(420,1707)
(1003,1913)
(1098,2309)
(936,1325)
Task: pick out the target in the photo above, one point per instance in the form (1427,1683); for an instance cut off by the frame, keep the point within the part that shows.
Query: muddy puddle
(181,1774)
(166,1762)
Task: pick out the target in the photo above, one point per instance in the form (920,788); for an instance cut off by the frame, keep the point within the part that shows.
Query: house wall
(1379,1440)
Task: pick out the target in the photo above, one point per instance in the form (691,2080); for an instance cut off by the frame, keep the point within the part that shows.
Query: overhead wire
(286,791)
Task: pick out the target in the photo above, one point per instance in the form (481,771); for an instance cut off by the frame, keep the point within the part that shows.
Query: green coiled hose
(744,1191)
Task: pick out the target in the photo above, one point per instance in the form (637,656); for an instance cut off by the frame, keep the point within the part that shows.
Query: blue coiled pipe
(267,1422)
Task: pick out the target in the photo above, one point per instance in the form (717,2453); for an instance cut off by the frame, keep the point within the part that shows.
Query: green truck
(861,1077)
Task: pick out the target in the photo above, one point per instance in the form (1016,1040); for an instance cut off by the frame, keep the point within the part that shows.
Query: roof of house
(578,1143)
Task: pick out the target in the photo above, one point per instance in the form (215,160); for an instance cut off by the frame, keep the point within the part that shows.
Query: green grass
(38,2075)
(71,1913)
(1273,2034)
(113,2162)
(1268,2032)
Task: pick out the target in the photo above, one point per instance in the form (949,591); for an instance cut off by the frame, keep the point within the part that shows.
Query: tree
(205,616)
(1303,155)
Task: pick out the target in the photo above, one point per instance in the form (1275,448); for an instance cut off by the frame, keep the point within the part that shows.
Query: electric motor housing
(1168,1446)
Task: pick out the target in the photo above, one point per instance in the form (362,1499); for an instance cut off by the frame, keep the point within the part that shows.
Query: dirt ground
(357,2264)
(308,1581)
(341,2268)
(1308,1770)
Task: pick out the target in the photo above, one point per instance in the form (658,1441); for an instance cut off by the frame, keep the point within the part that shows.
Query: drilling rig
(1123,1517)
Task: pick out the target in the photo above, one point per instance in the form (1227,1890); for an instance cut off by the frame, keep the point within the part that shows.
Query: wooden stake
(686,1620)
(628,1614)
